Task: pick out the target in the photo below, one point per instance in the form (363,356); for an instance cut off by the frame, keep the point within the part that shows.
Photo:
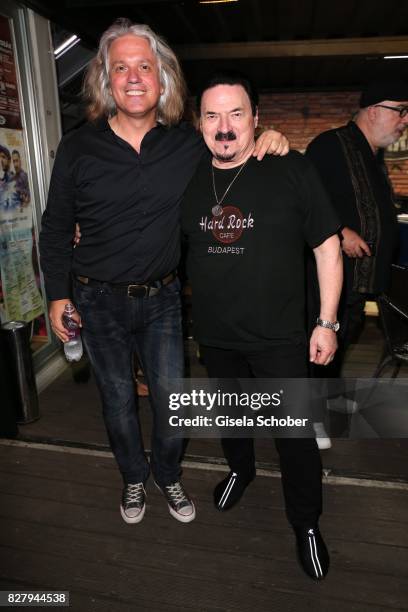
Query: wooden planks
(60,528)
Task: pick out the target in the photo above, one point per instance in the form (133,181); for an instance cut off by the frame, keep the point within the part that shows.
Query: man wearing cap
(349,162)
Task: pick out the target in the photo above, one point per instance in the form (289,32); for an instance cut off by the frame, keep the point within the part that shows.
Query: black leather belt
(130,289)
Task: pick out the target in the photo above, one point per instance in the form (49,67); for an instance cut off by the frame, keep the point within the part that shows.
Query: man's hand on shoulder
(323,345)
(56,311)
(270,142)
(353,245)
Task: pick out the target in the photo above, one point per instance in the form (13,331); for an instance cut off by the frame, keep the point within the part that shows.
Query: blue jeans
(115,327)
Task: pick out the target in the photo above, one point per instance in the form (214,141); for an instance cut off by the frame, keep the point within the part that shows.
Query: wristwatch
(335,326)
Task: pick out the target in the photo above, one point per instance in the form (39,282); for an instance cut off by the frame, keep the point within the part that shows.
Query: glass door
(29,131)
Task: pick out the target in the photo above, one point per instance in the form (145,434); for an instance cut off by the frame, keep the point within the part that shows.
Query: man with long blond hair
(122,176)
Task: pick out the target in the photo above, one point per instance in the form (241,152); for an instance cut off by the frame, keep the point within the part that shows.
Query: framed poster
(10,115)
(20,298)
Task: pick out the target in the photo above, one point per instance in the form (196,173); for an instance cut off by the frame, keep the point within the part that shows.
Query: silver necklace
(217,209)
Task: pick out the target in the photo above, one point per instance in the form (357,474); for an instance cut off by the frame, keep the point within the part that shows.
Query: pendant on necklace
(216,210)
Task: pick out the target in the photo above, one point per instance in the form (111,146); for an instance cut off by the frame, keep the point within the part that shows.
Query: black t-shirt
(246,266)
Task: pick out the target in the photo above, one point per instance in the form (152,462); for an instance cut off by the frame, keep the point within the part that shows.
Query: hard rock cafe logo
(229,225)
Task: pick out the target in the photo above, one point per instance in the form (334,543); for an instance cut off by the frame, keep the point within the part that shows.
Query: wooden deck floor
(61,529)
(60,526)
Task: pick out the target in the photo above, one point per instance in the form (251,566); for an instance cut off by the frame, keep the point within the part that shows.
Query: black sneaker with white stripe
(180,504)
(133,504)
(229,491)
(312,552)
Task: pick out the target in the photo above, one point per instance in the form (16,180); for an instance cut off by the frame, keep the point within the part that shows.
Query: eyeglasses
(402,110)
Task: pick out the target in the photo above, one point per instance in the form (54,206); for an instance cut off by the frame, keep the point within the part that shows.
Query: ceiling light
(66,45)
(395,56)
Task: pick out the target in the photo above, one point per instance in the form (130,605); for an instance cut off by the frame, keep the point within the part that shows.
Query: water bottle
(73,347)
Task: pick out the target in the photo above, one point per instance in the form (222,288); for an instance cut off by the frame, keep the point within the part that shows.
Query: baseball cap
(378,91)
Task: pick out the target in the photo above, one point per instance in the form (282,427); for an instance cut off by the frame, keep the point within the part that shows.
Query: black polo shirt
(127,205)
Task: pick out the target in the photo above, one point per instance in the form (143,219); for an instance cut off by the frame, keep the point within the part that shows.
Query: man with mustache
(247,225)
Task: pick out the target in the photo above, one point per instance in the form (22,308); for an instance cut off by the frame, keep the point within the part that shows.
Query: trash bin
(17,341)
(8,399)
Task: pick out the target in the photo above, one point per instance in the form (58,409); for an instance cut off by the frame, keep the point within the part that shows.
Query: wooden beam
(382,45)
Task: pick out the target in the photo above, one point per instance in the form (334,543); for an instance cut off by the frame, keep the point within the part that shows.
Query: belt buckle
(138,290)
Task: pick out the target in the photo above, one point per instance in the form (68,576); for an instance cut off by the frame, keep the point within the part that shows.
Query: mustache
(220,136)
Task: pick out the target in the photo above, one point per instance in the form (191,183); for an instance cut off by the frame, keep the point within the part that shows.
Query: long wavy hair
(96,89)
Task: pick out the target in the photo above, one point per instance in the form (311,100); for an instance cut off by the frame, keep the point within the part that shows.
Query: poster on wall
(20,297)
(10,116)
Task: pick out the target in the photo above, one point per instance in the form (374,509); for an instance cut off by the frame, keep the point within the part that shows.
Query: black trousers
(300,461)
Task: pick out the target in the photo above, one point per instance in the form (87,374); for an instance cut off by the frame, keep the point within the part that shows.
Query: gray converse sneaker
(180,504)
(133,504)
